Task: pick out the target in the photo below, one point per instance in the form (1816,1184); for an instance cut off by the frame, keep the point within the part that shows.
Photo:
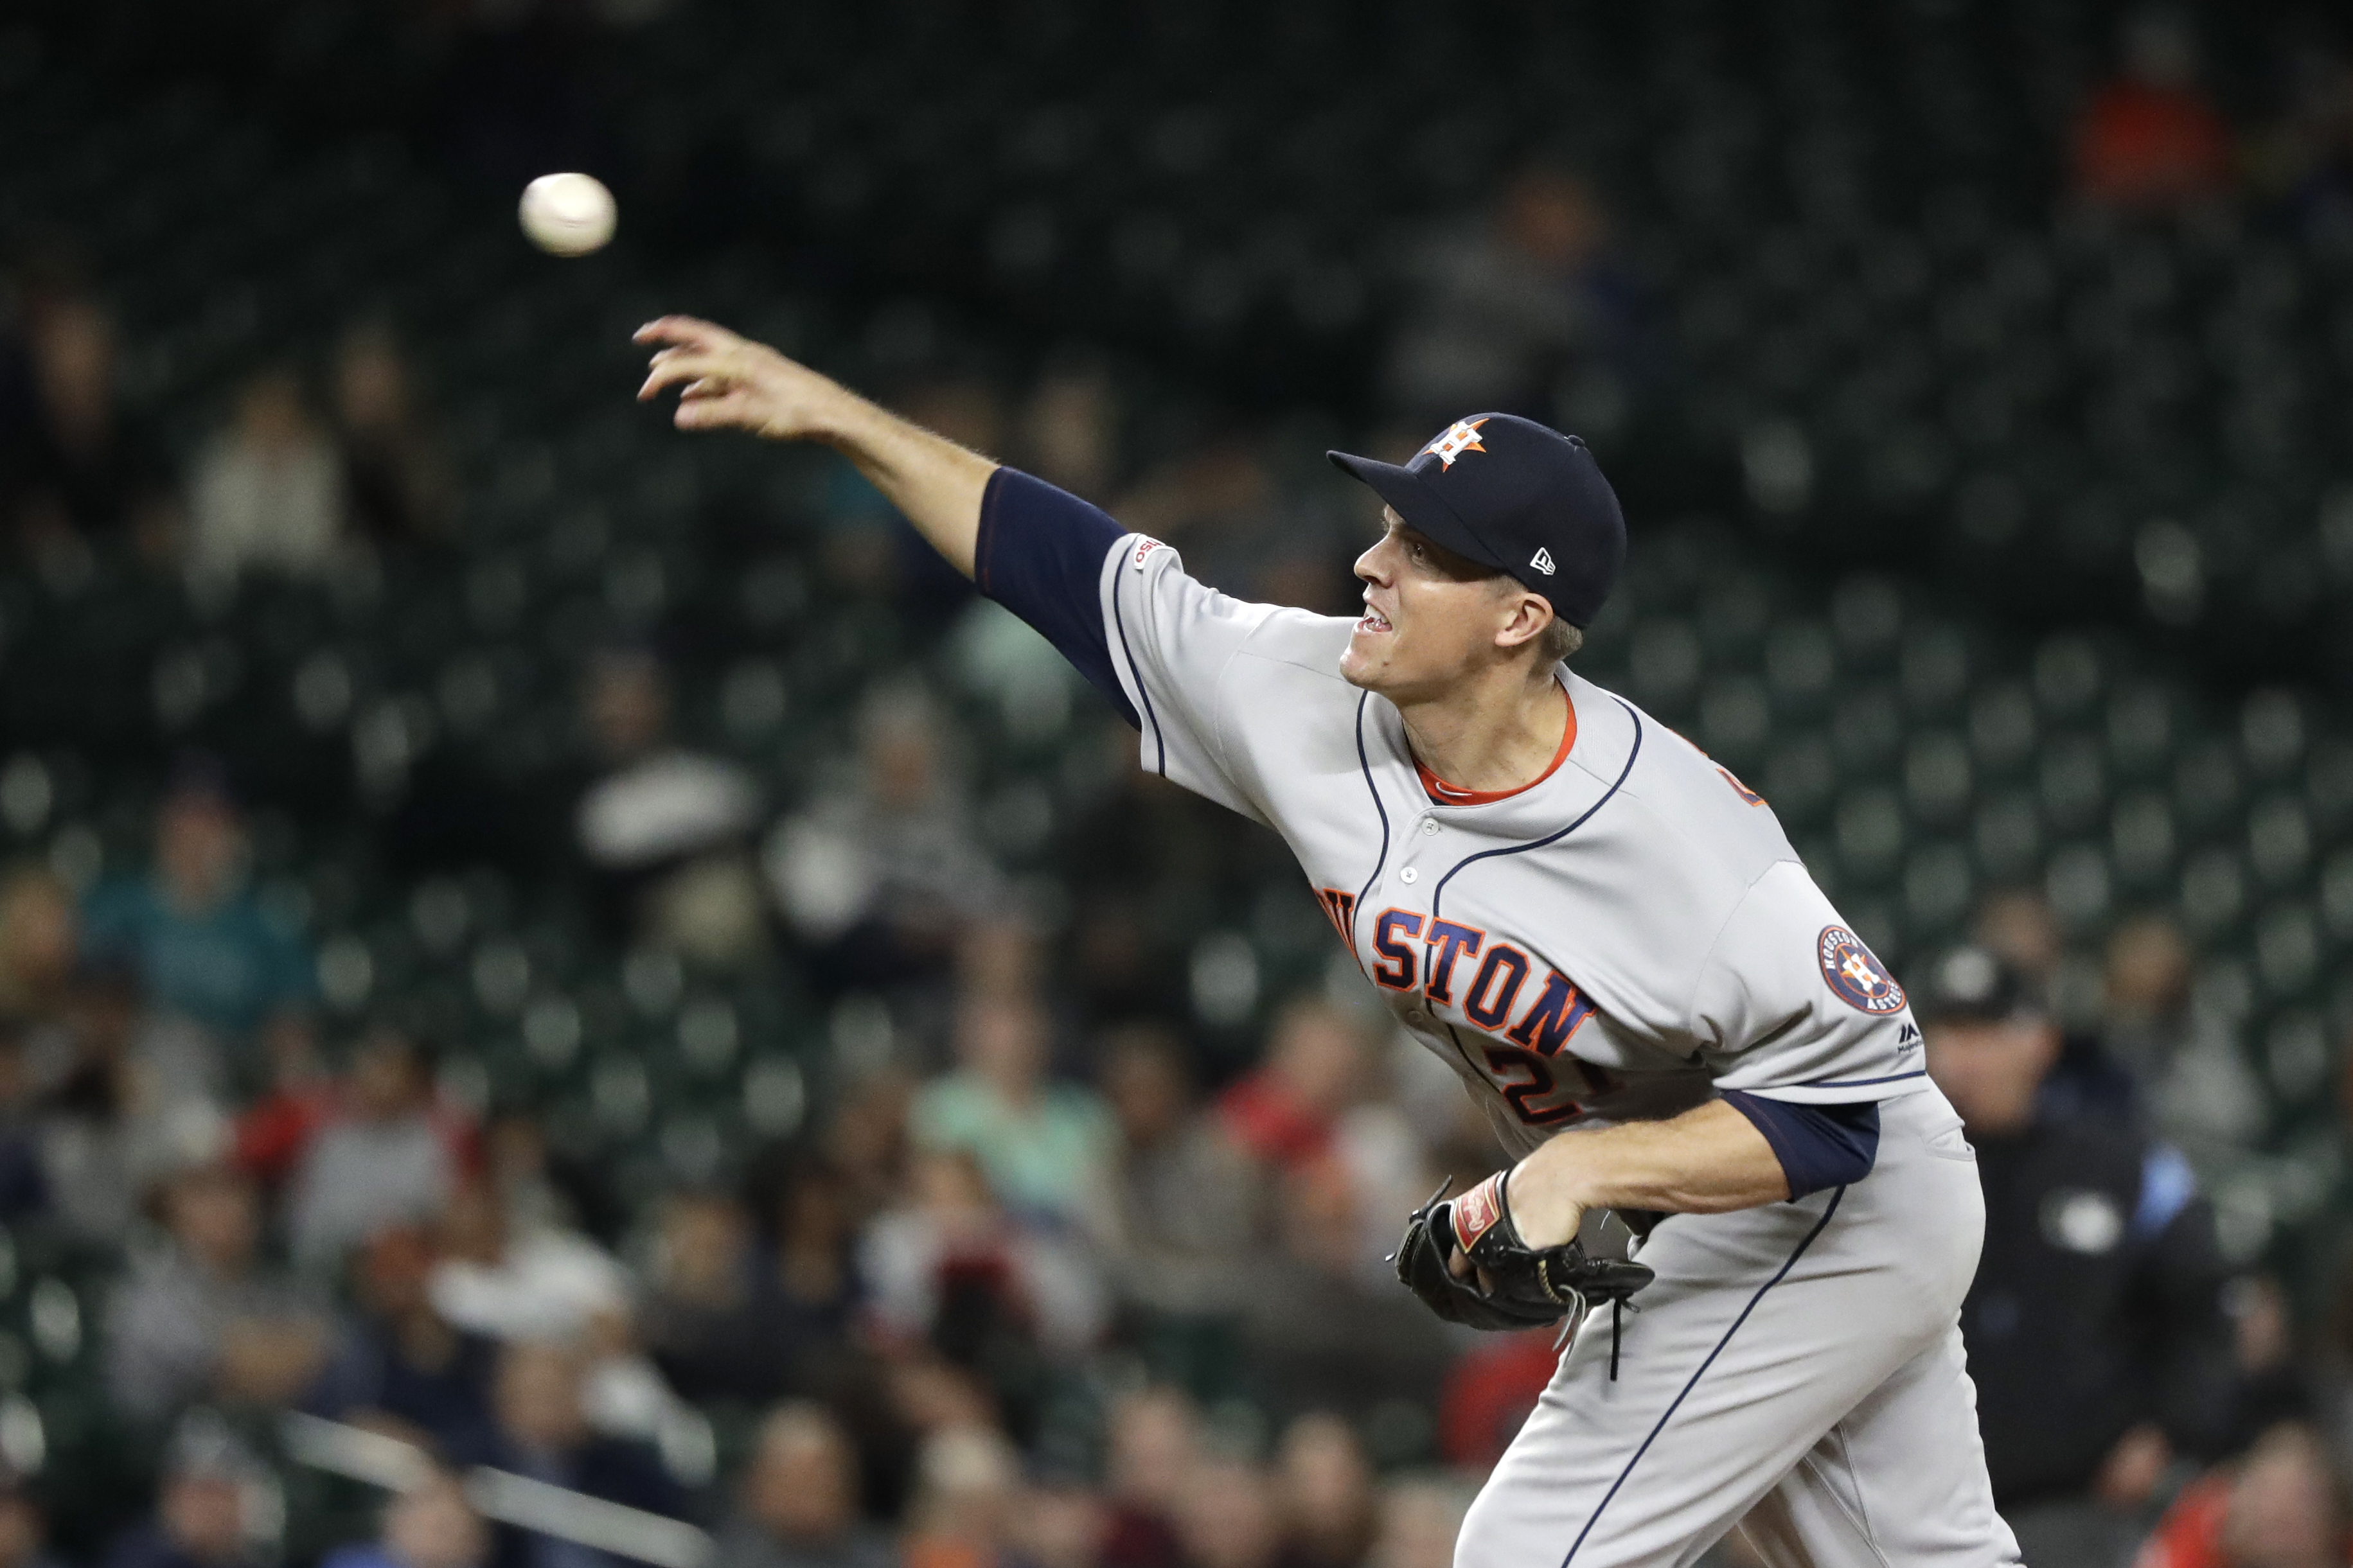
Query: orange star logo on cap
(1460,436)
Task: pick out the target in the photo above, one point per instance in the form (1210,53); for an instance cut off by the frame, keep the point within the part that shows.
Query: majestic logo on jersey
(1855,974)
(1542,561)
(1460,436)
(1143,547)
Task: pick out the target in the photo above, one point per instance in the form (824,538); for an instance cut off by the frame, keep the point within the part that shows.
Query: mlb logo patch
(1476,1211)
(1855,974)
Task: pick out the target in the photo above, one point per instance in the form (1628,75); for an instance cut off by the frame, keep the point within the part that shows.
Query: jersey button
(1428,827)
(1408,875)
(1418,1016)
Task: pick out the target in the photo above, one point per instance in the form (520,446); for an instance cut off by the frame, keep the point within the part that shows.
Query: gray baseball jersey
(1618,941)
(1624,938)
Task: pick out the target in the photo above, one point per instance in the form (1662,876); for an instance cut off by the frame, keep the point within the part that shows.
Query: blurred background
(539,953)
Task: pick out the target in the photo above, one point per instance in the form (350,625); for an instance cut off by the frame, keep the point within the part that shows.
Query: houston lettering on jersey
(1524,1054)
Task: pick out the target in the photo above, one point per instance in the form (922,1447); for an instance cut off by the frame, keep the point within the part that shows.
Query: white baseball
(567,215)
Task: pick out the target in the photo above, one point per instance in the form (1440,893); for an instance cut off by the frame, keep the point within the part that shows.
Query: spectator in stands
(1230,1517)
(1070,430)
(204,1318)
(2018,926)
(430,1525)
(398,1361)
(797,1504)
(883,873)
(1419,1519)
(389,1155)
(200,942)
(1220,505)
(394,473)
(1323,1483)
(2305,159)
(817,1288)
(707,1323)
(2282,1507)
(544,1433)
(89,470)
(1191,1200)
(2276,1381)
(516,1283)
(951,1267)
(506,1281)
(23,1532)
(966,1488)
(24,1177)
(1340,1341)
(2095,1328)
(2151,141)
(268,491)
(2146,994)
(1285,1111)
(40,937)
(538,1189)
(1154,1441)
(274,1131)
(109,1125)
(1490,1390)
(865,1139)
(1058,1522)
(665,827)
(2195,1087)
(1505,309)
(204,1515)
(1046,1146)
(1145,844)
(2111,1072)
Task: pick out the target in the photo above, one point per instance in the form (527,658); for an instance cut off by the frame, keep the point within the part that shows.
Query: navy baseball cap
(1512,495)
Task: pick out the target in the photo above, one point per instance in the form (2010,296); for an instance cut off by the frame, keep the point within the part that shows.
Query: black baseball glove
(1524,1286)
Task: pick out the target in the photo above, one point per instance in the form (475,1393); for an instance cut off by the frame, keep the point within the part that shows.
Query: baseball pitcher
(1604,934)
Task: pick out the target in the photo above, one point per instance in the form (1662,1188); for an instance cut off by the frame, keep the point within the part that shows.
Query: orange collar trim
(1444,794)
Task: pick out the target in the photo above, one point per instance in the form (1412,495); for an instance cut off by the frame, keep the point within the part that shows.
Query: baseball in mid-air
(567,215)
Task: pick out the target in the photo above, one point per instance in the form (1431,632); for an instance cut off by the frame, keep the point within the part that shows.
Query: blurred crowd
(985,1311)
(1029,1291)
(1045,1280)
(295,473)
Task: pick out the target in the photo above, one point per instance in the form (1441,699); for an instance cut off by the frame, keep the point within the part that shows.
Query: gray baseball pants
(1796,1366)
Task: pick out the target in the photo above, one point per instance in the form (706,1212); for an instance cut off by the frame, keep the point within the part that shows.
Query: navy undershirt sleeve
(1039,553)
(1820,1146)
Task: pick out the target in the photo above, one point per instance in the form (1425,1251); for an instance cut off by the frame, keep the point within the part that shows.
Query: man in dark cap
(193,929)
(1607,936)
(2095,1328)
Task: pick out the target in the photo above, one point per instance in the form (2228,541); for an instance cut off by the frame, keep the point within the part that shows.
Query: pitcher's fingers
(731,408)
(689,350)
(675,367)
(691,329)
(692,354)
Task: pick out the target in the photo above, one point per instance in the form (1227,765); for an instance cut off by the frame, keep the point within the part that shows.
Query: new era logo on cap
(1542,561)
